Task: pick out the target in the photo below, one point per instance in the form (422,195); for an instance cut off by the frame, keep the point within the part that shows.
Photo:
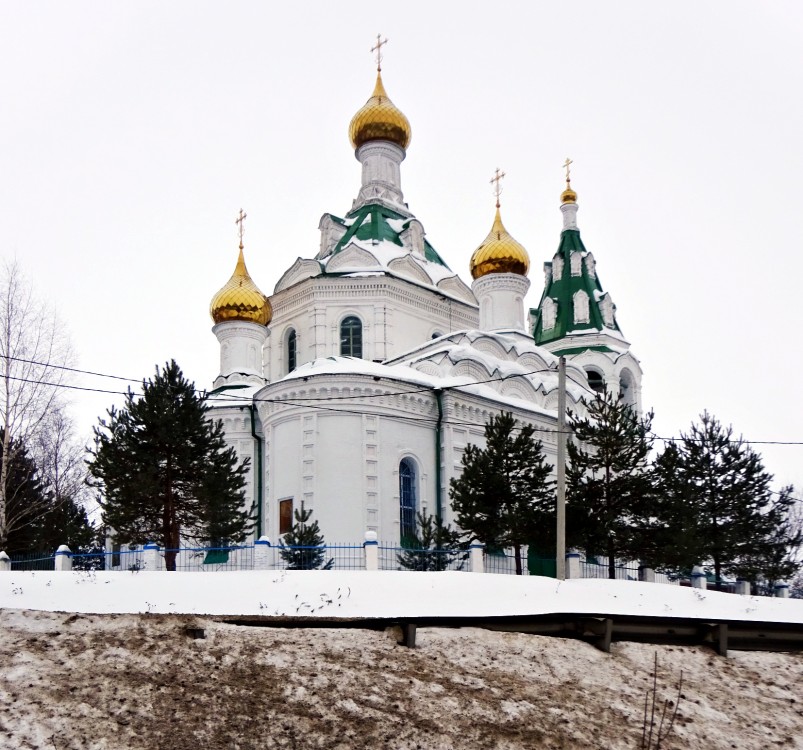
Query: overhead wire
(301,401)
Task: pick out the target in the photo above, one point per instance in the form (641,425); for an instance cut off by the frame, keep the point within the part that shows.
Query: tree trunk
(517,550)
(611,562)
(170,559)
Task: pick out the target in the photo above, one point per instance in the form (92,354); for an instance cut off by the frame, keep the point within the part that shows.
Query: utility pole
(560,547)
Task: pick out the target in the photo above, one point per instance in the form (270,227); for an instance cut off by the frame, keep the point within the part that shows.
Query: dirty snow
(105,682)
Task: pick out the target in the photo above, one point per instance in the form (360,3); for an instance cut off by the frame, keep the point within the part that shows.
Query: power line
(299,402)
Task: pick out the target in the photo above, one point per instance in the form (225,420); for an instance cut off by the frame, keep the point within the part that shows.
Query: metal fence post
(63,558)
(476,557)
(572,565)
(262,553)
(151,559)
(5,561)
(371,551)
(646,574)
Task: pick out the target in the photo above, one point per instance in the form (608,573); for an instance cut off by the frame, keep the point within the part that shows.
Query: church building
(356,386)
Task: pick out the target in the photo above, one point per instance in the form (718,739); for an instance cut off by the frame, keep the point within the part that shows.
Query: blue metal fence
(32,561)
(395,557)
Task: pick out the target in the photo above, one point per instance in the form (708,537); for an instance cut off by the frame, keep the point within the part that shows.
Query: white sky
(132,132)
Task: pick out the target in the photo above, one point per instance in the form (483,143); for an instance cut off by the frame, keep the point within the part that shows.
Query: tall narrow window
(351,337)
(285,515)
(291,350)
(407,500)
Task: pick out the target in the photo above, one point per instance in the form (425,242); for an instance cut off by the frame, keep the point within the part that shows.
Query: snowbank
(364,594)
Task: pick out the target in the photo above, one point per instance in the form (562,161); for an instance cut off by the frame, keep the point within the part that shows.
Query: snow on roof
(578,332)
(385,594)
(386,252)
(406,374)
(397,225)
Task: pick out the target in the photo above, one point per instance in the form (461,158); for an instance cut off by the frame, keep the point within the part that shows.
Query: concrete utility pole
(560,547)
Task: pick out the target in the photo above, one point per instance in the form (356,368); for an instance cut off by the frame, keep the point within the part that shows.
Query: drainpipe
(438,434)
(258,442)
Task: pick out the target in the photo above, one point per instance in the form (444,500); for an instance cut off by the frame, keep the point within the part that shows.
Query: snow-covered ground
(354,594)
(103,661)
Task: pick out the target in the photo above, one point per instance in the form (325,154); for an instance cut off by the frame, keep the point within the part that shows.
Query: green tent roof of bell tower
(571,275)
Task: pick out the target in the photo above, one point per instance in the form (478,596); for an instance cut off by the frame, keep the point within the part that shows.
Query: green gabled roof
(562,293)
(370,223)
(578,349)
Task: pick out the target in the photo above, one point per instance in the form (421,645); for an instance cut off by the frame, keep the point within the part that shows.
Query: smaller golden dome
(568,195)
(240,299)
(499,253)
(380,120)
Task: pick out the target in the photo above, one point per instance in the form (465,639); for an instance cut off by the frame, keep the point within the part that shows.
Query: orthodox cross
(495,180)
(239,222)
(380,42)
(566,165)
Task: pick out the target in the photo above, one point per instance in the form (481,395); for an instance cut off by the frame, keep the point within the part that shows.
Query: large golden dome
(499,253)
(240,299)
(380,120)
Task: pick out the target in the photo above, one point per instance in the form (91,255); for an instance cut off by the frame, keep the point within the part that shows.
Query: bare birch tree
(33,351)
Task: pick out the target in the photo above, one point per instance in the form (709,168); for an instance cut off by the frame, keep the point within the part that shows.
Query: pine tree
(303,546)
(41,518)
(715,499)
(28,503)
(435,546)
(164,471)
(504,496)
(608,483)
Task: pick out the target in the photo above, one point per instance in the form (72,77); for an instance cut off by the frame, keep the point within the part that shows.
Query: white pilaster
(501,299)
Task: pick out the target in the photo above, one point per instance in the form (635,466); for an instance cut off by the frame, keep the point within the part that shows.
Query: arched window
(291,350)
(407,500)
(595,381)
(627,393)
(351,337)
(580,299)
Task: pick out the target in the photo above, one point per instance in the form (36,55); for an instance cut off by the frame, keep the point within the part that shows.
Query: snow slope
(137,682)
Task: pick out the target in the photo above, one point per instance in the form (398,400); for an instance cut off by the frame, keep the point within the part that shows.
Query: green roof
(371,223)
(562,293)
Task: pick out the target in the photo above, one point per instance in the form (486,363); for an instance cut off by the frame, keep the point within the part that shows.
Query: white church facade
(356,386)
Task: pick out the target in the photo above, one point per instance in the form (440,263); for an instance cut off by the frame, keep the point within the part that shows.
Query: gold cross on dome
(566,166)
(495,181)
(380,42)
(240,229)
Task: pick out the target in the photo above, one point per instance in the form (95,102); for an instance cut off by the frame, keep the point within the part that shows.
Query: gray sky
(132,132)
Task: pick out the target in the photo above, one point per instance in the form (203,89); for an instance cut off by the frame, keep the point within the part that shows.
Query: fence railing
(370,555)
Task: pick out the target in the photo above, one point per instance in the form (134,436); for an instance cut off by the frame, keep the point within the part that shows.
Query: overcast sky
(131,133)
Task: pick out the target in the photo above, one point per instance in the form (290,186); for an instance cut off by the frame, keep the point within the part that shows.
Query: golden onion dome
(568,195)
(240,299)
(499,253)
(380,120)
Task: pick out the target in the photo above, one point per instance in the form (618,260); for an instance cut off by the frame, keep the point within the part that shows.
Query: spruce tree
(715,499)
(608,482)
(163,470)
(303,546)
(435,546)
(28,503)
(504,496)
